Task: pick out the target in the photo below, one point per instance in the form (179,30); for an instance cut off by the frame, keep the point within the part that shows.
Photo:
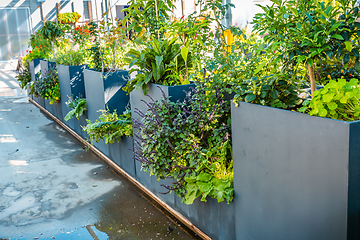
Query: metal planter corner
(104,90)
(71,80)
(296,176)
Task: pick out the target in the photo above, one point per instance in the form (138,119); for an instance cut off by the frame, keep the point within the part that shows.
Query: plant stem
(312,78)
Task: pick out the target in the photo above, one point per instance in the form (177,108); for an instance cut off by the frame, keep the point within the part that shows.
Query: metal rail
(172,211)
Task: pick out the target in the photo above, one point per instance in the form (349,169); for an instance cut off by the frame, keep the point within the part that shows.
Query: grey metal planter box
(121,152)
(216,219)
(296,176)
(136,97)
(71,80)
(105,90)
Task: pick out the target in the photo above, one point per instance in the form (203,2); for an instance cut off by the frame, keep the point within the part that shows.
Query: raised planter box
(71,80)
(104,90)
(296,176)
(136,97)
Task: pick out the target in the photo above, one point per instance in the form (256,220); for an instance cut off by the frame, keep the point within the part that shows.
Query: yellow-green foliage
(70,17)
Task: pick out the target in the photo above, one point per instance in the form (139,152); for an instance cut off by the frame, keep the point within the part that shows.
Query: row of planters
(248,135)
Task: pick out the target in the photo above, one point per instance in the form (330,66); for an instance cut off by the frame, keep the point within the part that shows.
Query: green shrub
(24,75)
(338,100)
(47,85)
(110,126)
(189,142)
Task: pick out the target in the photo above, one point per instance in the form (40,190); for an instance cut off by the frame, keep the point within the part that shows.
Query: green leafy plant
(110,126)
(71,57)
(159,62)
(24,74)
(69,17)
(336,71)
(78,107)
(189,142)
(338,99)
(309,32)
(269,91)
(47,85)
(147,16)
(51,31)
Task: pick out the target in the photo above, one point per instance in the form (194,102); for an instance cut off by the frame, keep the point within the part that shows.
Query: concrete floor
(51,188)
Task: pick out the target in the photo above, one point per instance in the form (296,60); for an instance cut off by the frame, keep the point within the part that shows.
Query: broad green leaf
(337,36)
(259,67)
(348,46)
(323,112)
(184,53)
(332,106)
(328,97)
(204,187)
(204,177)
(250,97)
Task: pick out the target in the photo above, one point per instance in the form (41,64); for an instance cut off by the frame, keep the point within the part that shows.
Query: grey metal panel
(65,92)
(354,183)
(290,174)
(121,152)
(57,110)
(217,220)
(78,124)
(94,87)
(48,106)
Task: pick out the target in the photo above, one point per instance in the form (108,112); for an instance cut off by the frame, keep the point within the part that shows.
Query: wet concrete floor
(52,188)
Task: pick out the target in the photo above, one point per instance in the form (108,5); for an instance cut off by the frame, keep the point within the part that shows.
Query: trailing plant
(310,32)
(78,107)
(47,85)
(189,142)
(69,17)
(24,74)
(338,100)
(159,62)
(109,127)
(274,91)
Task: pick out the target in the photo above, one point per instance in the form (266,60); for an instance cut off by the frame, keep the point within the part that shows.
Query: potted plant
(291,167)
